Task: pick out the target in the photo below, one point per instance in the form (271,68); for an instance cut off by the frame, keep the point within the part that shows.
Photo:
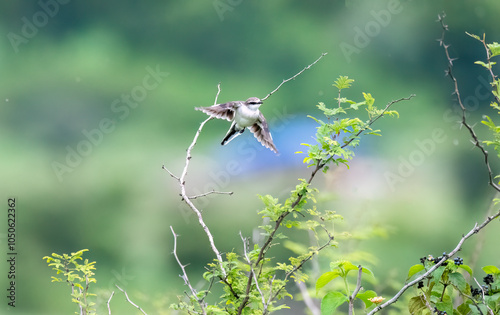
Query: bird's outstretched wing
(261,131)
(221,111)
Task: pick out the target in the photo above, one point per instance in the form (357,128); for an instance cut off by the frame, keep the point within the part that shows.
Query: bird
(243,115)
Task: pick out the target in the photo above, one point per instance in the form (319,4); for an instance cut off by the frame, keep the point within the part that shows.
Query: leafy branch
(78,276)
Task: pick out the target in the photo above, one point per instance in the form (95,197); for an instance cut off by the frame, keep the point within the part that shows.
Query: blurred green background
(97,96)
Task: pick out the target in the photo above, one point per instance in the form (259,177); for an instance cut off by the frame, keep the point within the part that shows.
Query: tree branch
(126,296)
(449,72)
(292,78)
(474,230)
(187,199)
(109,300)
(252,273)
(313,308)
(484,300)
(356,291)
(184,276)
(211,192)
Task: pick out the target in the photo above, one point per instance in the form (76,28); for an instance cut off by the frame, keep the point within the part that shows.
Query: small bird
(243,115)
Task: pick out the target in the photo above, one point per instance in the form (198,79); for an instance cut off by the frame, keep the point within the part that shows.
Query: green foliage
(77,275)
(332,300)
(253,283)
(448,284)
(330,148)
(269,277)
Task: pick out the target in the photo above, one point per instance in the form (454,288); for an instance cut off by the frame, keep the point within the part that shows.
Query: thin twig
(211,192)
(356,291)
(292,78)
(295,268)
(170,173)
(109,300)
(426,302)
(184,276)
(481,237)
(482,295)
(126,296)
(271,289)
(252,273)
(217,95)
(313,308)
(490,311)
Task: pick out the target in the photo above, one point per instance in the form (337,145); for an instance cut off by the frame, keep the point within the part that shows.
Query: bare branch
(426,302)
(313,308)
(252,272)
(170,173)
(186,198)
(185,276)
(211,192)
(217,95)
(292,78)
(482,295)
(481,237)
(356,291)
(126,296)
(271,289)
(484,300)
(109,300)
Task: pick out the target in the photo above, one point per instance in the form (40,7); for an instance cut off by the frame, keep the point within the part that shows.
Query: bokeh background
(97,96)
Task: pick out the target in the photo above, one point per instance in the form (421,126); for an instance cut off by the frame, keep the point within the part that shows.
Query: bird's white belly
(245,117)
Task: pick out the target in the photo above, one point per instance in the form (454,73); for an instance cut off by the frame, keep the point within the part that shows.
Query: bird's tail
(231,134)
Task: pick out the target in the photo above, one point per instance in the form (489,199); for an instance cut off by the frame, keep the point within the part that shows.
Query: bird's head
(253,102)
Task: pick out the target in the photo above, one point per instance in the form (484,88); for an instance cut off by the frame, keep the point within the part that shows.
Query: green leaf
(416,305)
(347,266)
(367,271)
(343,82)
(365,296)
(369,100)
(325,278)
(317,120)
(330,111)
(494,49)
(414,270)
(466,268)
(473,36)
(331,302)
(446,306)
(491,270)
(392,113)
(355,106)
(458,281)
(464,308)
(487,66)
